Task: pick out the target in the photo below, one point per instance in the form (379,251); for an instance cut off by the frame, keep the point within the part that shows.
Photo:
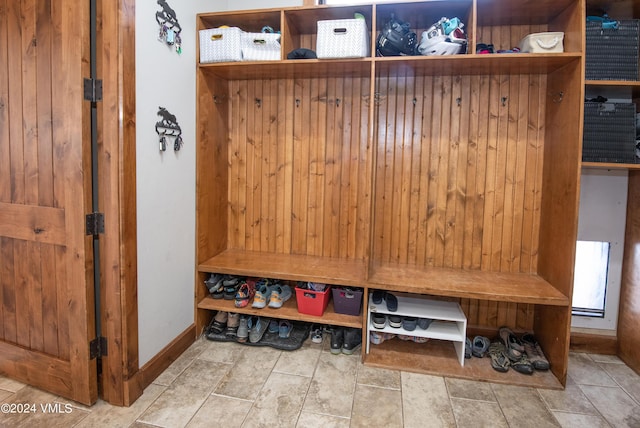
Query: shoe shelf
(473,284)
(449,322)
(328,270)
(289,311)
(439,358)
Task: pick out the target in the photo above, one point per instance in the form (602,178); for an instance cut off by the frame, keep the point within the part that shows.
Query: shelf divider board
(288,267)
(603,165)
(289,311)
(470,284)
(471,64)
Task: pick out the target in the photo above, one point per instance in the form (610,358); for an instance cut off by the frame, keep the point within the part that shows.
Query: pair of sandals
(225,322)
(507,351)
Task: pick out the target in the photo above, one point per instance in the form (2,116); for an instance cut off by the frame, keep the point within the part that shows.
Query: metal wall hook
(557,97)
(414,101)
(258,102)
(169,26)
(459,101)
(337,102)
(168,127)
(297,102)
(504,101)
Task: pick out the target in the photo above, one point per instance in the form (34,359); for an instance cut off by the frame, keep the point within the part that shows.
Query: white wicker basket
(542,43)
(260,46)
(220,45)
(342,38)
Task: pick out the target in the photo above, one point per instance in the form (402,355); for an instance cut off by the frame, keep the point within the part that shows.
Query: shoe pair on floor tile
(252,328)
(345,340)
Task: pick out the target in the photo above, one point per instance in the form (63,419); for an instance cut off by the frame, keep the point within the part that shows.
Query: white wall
(166,181)
(603,209)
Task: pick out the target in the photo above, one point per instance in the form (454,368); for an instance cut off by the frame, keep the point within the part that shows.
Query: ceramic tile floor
(231,385)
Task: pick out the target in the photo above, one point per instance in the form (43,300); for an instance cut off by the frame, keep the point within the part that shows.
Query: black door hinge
(98,347)
(95,223)
(92,90)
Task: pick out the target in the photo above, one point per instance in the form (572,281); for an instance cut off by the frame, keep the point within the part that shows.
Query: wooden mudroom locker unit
(454,177)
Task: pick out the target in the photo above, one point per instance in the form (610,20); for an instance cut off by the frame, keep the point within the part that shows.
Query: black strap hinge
(95,223)
(92,90)
(98,347)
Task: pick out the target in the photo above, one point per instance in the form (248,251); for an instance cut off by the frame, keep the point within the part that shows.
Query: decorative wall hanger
(169,26)
(168,127)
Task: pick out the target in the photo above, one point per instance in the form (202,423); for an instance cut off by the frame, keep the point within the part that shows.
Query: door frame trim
(119,383)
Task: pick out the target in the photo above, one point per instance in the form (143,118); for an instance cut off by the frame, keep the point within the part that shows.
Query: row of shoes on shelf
(245,328)
(408,323)
(263,291)
(523,354)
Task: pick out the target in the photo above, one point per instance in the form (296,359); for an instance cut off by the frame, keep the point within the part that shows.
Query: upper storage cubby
(301,25)
(504,23)
(251,20)
(421,16)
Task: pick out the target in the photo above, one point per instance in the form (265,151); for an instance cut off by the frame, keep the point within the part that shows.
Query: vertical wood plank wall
(458,173)
(299,169)
(458,178)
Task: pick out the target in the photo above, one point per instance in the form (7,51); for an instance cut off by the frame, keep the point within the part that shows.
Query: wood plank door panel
(46,292)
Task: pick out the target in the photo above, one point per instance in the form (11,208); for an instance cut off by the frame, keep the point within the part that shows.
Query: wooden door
(46,286)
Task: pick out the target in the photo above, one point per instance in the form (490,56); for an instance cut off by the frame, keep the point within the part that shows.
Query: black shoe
(378,296)
(392,302)
(352,339)
(337,339)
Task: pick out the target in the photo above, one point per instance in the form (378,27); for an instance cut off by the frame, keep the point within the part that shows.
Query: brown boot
(534,352)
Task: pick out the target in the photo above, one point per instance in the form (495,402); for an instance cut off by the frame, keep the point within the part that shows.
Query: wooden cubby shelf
(393,173)
(289,311)
(438,357)
(496,286)
(288,266)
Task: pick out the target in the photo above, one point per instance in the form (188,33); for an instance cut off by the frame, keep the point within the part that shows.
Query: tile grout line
(591,402)
(618,383)
(315,368)
(446,387)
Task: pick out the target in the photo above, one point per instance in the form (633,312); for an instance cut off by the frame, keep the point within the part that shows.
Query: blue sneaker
(257,328)
(263,294)
(279,295)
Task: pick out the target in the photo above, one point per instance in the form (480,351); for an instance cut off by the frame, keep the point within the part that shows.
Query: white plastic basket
(260,46)
(550,42)
(342,38)
(220,45)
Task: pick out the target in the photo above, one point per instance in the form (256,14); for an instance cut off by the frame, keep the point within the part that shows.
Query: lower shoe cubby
(416,319)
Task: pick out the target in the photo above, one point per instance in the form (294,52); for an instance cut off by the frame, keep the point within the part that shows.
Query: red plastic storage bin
(312,302)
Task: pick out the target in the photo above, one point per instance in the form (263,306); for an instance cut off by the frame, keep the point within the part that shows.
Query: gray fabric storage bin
(612,54)
(609,132)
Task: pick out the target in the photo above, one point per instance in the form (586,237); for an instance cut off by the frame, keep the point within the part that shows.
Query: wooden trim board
(163,359)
